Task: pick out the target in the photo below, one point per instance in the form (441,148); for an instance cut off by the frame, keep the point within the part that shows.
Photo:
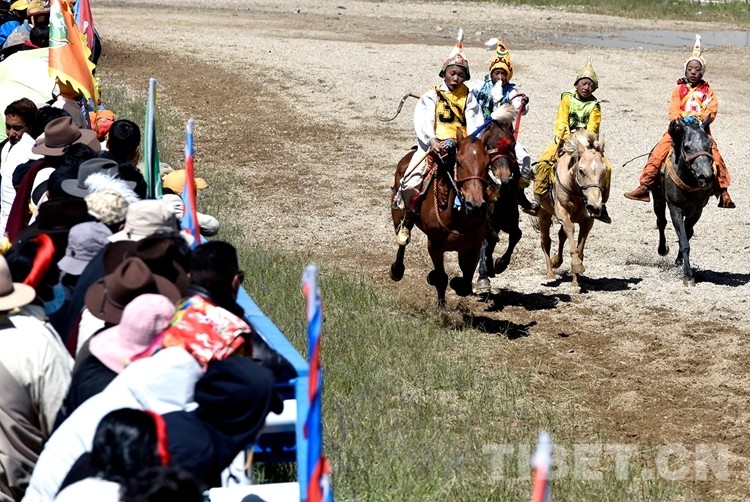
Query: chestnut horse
(504,189)
(453,216)
(579,191)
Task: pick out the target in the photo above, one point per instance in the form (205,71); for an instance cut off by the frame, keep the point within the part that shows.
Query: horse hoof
(689,282)
(577,268)
(397,271)
(460,286)
(500,266)
(663,251)
(556,262)
(436,279)
(483,285)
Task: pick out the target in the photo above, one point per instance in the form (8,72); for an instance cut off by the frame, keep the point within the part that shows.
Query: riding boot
(640,194)
(404,230)
(528,206)
(604,215)
(725,201)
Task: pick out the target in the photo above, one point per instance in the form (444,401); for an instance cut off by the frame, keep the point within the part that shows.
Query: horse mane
(584,138)
(504,114)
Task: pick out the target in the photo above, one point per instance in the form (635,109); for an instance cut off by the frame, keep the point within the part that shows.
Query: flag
(542,465)
(189,221)
(85,21)
(318,485)
(68,54)
(150,148)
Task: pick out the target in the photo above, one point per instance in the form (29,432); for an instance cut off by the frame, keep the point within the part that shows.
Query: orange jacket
(687,100)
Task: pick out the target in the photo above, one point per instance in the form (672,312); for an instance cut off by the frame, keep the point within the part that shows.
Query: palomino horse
(579,191)
(687,187)
(504,174)
(447,227)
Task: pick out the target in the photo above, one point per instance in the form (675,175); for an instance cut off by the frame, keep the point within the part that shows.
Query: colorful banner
(68,54)
(151,171)
(319,469)
(189,221)
(85,21)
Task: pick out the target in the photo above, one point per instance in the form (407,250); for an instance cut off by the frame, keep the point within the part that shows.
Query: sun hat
(144,218)
(588,72)
(107,297)
(159,253)
(107,206)
(59,134)
(37,7)
(13,294)
(77,187)
(697,54)
(501,59)
(456,57)
(142,319)
(19,5)
(85,240)
(175,181)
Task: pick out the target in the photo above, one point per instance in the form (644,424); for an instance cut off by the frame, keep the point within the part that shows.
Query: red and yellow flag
(68,54)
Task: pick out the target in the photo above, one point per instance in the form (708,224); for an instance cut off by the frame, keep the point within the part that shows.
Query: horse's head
(692,147)
(587,168)
(501,145)
(471,172)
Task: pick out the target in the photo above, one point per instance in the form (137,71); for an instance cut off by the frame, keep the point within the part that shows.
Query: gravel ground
(286,95)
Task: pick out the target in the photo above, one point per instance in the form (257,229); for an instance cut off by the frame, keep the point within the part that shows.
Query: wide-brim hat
(145,218)
(175,181)
(59,134)
(77,187)
(85,240)
(157,252)
(107,297)
(142,320)
(457,57)
(588,72)
(13,294)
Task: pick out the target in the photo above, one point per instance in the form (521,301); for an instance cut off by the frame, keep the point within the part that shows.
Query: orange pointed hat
(697,54)
(456,57)
(501,58)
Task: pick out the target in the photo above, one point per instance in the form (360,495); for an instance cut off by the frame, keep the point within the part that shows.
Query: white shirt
(11,158)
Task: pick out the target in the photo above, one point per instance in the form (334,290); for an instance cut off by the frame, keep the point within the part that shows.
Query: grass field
(410,413)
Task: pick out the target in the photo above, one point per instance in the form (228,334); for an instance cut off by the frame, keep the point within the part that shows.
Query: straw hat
(175,181)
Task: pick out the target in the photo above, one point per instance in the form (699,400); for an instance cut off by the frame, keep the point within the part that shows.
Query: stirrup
(404,235)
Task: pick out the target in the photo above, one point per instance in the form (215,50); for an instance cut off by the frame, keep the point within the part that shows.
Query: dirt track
(287,101)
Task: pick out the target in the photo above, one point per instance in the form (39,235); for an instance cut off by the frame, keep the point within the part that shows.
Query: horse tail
(535,223)
(400,106)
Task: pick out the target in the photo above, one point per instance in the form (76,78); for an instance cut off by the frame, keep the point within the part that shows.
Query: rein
(581,188)
(687,159)
(454,184)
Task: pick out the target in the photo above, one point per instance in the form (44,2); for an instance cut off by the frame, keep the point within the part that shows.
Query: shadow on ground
(529,301)
(722,278)
(507,329)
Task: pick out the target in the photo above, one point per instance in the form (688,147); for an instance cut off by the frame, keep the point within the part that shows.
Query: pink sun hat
(143,318)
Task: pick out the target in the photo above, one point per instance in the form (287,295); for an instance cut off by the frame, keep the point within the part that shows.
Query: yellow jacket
(573,114)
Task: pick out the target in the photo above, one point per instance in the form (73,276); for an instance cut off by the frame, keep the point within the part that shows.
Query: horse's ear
(601,144)
(706,123)
(676,130)
(459,135)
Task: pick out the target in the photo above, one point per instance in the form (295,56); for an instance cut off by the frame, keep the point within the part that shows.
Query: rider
(692,97)
(438,115)
(490,95)
(577,110)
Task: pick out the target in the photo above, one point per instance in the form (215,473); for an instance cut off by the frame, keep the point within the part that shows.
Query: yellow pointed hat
(456,57)
(501,59)
(697,54)
(587,72)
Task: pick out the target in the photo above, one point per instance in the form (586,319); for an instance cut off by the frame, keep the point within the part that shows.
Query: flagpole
(542,464)
(150,146)
(189,221)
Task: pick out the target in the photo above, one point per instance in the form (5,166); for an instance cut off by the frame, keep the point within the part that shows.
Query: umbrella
(24,74)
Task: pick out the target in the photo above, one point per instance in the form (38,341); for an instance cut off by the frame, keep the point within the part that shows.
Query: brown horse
(453,215)
(579,191)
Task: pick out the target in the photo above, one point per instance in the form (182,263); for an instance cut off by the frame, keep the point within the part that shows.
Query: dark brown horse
(504,189)
(453,216)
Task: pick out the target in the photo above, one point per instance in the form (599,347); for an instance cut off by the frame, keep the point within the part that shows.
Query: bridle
(581,193)
(455,182)
(685,160)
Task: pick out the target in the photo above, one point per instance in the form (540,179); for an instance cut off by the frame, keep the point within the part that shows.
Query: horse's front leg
(437,278)
(576,264)
(683,256)
(545,221)
(583,233)
(690,222)
(486,269)
(467,261)
(397,267)
(514,236)
(660,207)
(561,238)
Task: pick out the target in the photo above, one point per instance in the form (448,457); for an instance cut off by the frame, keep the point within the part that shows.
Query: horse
(686,187)
(458,226)
(579,191)
(504,173)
